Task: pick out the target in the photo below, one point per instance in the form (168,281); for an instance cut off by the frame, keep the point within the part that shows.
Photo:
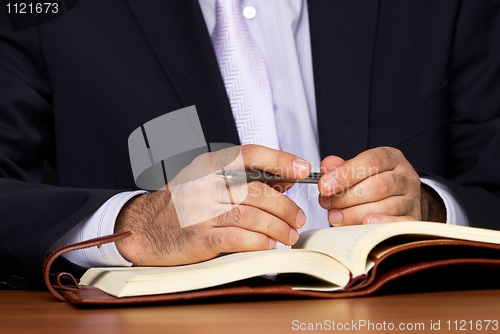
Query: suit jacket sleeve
(474,119)
(33,215)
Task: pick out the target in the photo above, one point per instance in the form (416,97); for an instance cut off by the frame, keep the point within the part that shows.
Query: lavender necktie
(245,76)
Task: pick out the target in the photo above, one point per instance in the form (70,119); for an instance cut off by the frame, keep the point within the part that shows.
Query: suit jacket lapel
(178,36)
(342,41)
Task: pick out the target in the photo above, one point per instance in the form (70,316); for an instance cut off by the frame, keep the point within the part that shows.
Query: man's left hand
(377,186)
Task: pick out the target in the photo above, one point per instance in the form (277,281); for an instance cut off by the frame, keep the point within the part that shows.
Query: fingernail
(330,184)
(300,219)
(373,220)
(325,202)
(335,217)
(272,243)
(294,236)
(300,166)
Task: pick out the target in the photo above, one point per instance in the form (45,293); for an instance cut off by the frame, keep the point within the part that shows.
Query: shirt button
(249,12)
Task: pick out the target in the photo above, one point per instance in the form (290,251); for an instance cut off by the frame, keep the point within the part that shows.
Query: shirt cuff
(455,214)
(98,224)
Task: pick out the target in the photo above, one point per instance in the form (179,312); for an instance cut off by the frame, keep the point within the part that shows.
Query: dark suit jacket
(423,76)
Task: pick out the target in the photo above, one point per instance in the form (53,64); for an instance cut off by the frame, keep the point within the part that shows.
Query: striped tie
(245,76)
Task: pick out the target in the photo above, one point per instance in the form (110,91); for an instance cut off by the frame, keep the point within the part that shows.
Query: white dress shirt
(281,31)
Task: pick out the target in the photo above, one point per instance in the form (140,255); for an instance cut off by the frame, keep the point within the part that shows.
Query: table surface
(39,312)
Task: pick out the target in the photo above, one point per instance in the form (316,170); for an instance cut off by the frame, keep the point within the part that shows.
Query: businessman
(396,101)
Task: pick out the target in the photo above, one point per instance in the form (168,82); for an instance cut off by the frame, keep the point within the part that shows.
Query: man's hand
(376,186)
(263,217)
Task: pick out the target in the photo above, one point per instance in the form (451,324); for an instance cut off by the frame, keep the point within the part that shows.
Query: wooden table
(39,312)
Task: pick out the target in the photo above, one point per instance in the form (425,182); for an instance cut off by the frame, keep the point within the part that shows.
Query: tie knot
(229,4)
(228,10)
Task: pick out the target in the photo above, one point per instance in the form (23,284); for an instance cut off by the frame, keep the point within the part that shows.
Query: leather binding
(429,265)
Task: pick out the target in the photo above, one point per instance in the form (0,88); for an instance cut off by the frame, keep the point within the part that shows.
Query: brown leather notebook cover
(430,265)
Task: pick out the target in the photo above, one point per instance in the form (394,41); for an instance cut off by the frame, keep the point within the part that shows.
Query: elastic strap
(55,287)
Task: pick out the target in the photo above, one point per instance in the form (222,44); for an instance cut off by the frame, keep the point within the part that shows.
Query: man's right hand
(263,217)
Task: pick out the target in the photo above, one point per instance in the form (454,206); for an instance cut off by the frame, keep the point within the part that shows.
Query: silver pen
(313,178)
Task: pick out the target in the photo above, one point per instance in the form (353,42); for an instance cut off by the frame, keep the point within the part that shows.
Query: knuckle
(248,214)
(338,202)
(408,206)
(400,182)
(264,242)
(232,239)
(230,218)
(393,208)
(413,178)
(218,191)
(356,217)
(397,153)
(283,160)
(289,207)
(352,219)
(259,242)
(382,187)
(345,199)
(248,151)
(375,161)
(391,155)
(213,241)
(254,189)
(248,148)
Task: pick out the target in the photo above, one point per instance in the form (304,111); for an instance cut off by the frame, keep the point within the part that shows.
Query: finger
(267,199)
(234,239)
(280,186)
(260,158)
(392,206)
(372,189)
(382,219)
(331,162)
(359,168)
(253,219)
